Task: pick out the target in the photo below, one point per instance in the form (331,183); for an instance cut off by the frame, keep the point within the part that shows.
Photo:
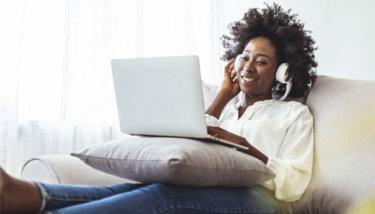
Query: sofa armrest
(65,169)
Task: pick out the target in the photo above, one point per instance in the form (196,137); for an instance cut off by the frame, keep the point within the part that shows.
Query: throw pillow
(178,161)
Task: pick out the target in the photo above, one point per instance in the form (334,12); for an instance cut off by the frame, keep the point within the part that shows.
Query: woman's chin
(247,90)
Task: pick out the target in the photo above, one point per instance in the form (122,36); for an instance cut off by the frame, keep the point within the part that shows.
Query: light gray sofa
(344,155)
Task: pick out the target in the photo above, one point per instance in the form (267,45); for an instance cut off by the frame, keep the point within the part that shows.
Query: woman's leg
(18,195)
(61,195)
(168,199)
(23,196)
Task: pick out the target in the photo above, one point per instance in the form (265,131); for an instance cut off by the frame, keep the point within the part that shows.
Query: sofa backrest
(344,153)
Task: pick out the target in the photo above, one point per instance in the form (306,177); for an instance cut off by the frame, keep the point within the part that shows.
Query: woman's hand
(231,82)
(225,135)
(229,89)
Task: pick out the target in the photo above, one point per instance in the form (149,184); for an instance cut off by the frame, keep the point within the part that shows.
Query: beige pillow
(175,160)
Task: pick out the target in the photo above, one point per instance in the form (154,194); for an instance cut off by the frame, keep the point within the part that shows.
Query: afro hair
(294,45)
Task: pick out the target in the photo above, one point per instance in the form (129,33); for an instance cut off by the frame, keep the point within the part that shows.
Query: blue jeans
(154,199)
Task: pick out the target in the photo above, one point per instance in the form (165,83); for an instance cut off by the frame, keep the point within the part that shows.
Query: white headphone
(281,76)
(237,63)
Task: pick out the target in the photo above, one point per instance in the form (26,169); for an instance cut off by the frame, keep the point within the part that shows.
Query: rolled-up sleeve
(211,120)
(293,164)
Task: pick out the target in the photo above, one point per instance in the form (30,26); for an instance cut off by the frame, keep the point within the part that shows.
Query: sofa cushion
(344,125)
(175,160)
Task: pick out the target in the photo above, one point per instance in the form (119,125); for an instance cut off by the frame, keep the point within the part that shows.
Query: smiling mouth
(248,79)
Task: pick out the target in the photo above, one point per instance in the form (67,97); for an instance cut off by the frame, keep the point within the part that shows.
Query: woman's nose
(249,67)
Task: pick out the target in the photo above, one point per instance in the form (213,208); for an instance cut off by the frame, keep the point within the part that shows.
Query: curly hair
(294,45)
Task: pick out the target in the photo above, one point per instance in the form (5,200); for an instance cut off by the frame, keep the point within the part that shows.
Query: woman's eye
(243,57)
(261,62)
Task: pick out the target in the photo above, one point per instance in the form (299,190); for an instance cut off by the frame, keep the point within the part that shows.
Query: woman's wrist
(220,101)
(255,152)
(225,95)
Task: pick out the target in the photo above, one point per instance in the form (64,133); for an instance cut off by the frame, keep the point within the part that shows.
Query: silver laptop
(161,96)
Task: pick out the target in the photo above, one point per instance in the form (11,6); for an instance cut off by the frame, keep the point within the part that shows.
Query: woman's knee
(161,191)
(156,188)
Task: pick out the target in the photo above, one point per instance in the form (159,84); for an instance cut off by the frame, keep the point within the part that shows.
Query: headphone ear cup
(237,63)
(281,74)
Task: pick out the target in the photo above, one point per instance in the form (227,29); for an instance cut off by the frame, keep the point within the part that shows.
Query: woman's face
(257,68)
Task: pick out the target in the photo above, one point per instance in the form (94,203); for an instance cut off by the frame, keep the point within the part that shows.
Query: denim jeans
(154,199)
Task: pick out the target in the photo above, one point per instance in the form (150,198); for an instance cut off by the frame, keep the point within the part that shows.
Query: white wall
(344,32)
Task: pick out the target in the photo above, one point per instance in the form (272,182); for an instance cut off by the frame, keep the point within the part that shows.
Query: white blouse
(283,131)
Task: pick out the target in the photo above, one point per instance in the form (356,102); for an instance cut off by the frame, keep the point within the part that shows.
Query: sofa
(344,152)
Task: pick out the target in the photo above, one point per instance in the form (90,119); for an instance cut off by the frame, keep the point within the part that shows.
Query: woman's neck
(250,100)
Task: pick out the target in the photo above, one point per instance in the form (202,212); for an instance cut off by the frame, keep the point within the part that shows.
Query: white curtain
(56,92)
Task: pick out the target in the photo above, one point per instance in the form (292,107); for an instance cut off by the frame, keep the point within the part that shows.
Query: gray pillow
(175,160)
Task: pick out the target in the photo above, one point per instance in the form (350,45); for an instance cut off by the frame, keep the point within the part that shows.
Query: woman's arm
(229,90)
(217,106)
(223,134)
(256,153)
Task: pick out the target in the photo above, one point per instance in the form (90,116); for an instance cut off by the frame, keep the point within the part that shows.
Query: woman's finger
(227,67)
(234,74)
(231,67)
(235,79)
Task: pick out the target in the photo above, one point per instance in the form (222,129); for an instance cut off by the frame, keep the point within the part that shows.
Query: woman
(278,133)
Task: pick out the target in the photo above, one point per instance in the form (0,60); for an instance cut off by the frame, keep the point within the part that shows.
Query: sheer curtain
(56,92)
